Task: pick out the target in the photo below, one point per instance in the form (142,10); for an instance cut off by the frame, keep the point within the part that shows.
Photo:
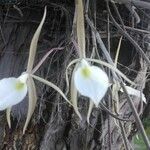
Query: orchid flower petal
(12,91)
(91,81)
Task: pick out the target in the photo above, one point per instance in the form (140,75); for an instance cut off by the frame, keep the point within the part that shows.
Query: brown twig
(137,119)
(112,114)
(142,4)
(44,58)
(138,48)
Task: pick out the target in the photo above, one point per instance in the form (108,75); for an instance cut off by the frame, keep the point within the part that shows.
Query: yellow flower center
(86,72)
(19,85)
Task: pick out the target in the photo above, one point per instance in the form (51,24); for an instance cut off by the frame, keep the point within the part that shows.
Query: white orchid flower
(91,81)
(134,92)
(12,91)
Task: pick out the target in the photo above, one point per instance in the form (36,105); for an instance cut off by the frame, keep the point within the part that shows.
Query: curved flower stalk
(91,81)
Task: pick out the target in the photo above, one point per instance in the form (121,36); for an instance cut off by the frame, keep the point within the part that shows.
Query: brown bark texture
(54,124)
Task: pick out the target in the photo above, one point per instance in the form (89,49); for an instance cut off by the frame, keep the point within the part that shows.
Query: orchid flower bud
(91,81)
(12,91)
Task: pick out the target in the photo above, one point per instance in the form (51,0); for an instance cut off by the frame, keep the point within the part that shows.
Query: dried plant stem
(44,58)
(124,137)
(138,48)
(118,51)
(137,119)
(115,92)
(119,16)
(109,97)
(101,44)
(142,4)
(112,114)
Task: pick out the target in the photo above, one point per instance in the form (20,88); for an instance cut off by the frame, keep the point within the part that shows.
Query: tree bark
(54,124)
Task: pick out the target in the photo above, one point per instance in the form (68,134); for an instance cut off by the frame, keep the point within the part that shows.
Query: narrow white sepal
(91,81)
(132,91)
(8,111)
(12,92)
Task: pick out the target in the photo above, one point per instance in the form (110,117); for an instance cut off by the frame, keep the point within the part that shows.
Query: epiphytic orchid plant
(89,80)
(13,90)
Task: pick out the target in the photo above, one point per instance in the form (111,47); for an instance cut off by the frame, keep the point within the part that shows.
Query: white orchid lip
(91,81)
(12,91)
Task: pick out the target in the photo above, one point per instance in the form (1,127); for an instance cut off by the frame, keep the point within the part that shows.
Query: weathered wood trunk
(54,125)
